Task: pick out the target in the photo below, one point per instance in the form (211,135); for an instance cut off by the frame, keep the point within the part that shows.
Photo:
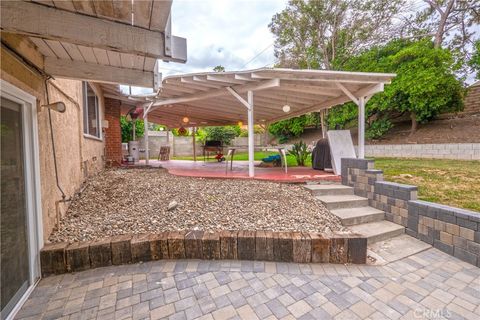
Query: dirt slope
(464,129)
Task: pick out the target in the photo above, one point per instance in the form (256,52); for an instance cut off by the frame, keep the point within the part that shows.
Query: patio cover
(258,96)
(115,42)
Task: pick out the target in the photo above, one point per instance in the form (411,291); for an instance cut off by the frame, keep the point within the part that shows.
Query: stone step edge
(299,247)
(367,213)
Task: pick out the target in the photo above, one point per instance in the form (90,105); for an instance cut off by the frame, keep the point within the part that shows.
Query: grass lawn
(259,155)
(450,182)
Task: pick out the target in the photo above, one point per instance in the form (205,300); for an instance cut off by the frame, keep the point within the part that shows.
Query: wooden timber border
(300,247)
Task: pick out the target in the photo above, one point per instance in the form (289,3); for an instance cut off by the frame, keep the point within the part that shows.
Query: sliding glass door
(19,236)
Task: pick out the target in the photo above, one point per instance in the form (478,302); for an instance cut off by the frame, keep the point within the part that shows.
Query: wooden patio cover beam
(37,20)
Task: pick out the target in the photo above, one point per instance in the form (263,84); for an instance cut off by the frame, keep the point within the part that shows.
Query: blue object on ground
(272,158)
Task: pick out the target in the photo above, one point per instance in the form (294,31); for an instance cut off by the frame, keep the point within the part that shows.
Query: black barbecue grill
(212,146)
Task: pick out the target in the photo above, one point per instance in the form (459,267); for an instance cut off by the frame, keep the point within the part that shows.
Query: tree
(219,68)
(451,23)
(325,33)
(127,129)
(224,134)
(474,62)
(290,128)
(425,84)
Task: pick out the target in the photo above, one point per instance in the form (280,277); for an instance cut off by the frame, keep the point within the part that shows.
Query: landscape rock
(136,201)
(172,205)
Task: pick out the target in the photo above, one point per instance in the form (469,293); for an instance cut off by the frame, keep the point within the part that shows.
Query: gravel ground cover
(120,201)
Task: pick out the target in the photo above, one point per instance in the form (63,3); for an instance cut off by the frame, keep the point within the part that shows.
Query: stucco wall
(76,155)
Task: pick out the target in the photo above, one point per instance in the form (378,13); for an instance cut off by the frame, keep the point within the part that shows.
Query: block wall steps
(354,216)
(343,201)
(329,189)
(378,231)
(355,212)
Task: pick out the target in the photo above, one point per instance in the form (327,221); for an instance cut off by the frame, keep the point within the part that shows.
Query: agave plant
(301,152)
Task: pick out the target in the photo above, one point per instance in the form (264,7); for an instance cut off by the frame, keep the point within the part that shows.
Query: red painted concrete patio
(203,169)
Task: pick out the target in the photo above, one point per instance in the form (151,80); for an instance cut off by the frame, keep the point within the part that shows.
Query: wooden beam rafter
(32,19)
(94,72)
(258,85)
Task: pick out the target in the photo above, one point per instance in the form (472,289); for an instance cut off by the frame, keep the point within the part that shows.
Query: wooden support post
(194,147)
(322,122)
(251,155)
(361,127)
(147,152)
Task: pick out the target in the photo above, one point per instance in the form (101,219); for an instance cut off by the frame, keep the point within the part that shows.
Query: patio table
(281,150)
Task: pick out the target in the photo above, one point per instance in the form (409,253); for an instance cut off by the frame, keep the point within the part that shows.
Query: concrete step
(329,189)
(354,216)
(342,201)
(378,231)
(396,248)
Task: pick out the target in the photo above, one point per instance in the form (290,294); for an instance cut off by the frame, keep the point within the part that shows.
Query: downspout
(32,67)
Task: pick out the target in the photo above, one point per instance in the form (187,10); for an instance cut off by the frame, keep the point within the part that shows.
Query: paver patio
(427,285)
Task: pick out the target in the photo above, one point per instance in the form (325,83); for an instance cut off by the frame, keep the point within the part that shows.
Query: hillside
(464,129)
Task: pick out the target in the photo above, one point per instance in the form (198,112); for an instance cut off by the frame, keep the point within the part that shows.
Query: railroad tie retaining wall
(301,247)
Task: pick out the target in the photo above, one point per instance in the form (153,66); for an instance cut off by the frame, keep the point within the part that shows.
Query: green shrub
(256,130)
(378,129)
(290,128)
(127,129)
(201,135)
(224,134)
(300,152)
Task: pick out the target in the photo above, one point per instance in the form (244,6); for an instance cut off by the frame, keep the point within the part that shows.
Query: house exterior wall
(77,155)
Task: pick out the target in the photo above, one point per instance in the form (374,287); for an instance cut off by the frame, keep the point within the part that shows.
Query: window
(91,117)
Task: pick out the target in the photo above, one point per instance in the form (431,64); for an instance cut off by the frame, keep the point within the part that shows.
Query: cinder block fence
(452,230)
(459,151)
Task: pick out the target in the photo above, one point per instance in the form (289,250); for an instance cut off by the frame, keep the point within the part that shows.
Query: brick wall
(460,151)
(113,135)
(452,230)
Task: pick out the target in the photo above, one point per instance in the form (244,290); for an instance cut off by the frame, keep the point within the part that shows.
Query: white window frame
(86,133)
(32,183)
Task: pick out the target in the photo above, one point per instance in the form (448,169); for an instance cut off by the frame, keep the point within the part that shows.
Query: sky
(224,32)
(231,33)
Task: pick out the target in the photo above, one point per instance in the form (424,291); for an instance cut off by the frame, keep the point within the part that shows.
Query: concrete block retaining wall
(459,151)
(452,230)
(298,247)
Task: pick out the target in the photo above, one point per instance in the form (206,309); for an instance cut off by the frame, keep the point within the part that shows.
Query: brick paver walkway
(428,285)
